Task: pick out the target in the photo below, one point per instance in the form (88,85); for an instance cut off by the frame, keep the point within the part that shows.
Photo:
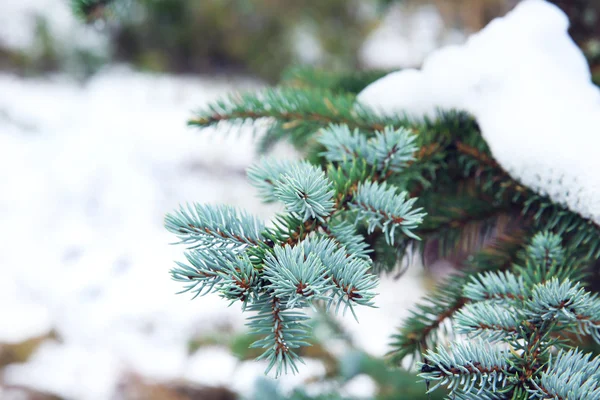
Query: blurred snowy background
(94,150)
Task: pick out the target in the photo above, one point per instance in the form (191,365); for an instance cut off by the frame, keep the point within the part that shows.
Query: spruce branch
(392,149)
(420,331)
(570,375)
(500,286)
(202,272)
(382,207)
(344,233)
(345,177)
(283,331)
(467,366)
(209,226)
(305,191)
(546,249)
(265,174)
(295,107)
(296,277)
(389,151)
(353,283)
(568,304)
(313,252)
(239,281)
(341,144)
(337,81)
(531,317)
(487,320)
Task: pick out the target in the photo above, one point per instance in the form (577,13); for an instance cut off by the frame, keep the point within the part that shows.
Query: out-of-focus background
(94,151)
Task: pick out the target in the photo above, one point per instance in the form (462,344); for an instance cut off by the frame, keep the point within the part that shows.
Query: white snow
(529,88)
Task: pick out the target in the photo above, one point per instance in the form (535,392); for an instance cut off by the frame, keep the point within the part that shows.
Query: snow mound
(529,87)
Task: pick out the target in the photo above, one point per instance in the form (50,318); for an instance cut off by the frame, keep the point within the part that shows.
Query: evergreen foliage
(522,321)
(389,171)
(371,190)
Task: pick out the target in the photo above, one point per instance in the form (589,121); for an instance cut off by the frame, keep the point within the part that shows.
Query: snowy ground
(88,172)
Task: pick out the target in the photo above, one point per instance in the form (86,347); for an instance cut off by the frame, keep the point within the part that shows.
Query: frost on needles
(313,255)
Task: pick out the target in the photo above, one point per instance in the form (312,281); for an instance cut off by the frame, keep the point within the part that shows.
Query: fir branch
(208,226)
